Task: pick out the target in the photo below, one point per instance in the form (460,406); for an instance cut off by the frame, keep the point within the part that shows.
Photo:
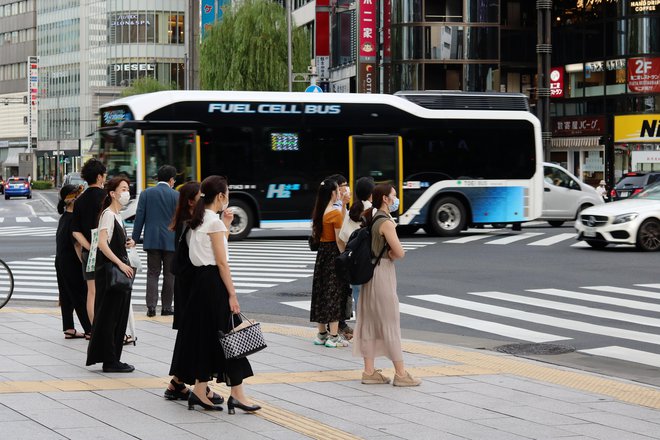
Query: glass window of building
(483,12)
(128,27)
(443,10)
(175,31)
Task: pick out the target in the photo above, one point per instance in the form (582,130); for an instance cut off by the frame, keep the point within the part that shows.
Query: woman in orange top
(329,292)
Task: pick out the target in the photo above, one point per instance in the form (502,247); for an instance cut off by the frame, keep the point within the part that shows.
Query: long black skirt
(198,355)
(329,292)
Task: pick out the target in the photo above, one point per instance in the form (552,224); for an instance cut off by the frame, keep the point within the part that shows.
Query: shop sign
(342,86)
(130,20)
(557,82)
(367,78)
(643,157)
(367,40)
(637,128)
(578,126)
(644,75)
(618,64)
(127,67)
(644,5)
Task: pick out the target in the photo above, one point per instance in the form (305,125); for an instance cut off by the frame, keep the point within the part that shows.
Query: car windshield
(650,193)
(16,180)
(631,181)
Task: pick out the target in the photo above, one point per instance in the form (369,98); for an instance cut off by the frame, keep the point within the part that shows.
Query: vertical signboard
(387,45)
(557,82)
(33,98)
(322,43)
(367,46)
(211,11)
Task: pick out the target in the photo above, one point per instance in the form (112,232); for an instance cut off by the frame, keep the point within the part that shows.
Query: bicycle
(6,283)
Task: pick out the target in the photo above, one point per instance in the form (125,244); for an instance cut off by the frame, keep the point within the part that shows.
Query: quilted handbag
(242,341)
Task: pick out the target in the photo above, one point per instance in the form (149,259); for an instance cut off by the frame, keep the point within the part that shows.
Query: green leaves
(247,50)
(145,85)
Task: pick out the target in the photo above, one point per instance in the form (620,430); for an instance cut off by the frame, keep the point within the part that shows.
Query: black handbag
(313,243)
(116,279)
(242,342)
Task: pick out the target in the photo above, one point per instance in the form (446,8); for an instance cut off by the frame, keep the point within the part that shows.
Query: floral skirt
(329,292)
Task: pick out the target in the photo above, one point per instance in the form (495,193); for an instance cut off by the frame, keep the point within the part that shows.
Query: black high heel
(194,400)
(234,403)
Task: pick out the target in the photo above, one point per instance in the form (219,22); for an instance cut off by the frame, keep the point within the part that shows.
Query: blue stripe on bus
(496,204)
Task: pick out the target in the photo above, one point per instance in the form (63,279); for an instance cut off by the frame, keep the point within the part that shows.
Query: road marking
(470,238)
(626,354)
(601,299)
(22,220)
(48,219)
(538,318)
(652,286)
(2,219)
(581,244)
(462,321)
(553,240)
(624,291)
(514,238)
(582,310)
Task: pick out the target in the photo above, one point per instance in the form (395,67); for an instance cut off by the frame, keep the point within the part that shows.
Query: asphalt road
(488,288)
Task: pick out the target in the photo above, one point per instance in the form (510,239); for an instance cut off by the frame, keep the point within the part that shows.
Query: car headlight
(625,218)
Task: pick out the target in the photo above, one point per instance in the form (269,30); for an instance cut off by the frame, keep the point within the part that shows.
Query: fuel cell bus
(457,159)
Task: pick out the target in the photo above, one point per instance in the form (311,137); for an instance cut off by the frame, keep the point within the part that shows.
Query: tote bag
(243,341)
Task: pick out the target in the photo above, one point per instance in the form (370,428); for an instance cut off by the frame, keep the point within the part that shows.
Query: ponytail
(60,207)
(356,211)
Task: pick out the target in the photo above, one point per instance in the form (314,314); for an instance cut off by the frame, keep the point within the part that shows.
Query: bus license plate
(590,232)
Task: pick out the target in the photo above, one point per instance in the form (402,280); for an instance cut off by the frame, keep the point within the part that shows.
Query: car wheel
(596,244)
(243,220)
(29,196)
(447,217)
(648,236)
(556,223)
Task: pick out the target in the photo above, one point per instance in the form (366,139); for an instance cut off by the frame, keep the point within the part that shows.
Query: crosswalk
(255,265)
(624,317)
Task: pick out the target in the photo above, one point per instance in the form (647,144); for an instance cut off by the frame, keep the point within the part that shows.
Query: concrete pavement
(306,391)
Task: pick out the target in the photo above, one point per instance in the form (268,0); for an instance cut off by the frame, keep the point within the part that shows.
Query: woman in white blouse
(212,304)
(112,303)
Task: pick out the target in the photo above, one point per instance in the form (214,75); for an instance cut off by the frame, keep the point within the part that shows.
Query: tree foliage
(147,84)
(247,49)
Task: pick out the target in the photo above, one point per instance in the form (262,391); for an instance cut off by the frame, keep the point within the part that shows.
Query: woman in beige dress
(378,329)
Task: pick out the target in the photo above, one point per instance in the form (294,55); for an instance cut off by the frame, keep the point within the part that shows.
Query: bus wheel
(447,217)
(243,220)
(555,223)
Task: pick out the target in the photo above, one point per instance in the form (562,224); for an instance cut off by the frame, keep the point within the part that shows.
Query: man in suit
(155,209)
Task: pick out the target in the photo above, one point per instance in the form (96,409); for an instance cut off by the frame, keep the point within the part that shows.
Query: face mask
(124,198)
(395,204)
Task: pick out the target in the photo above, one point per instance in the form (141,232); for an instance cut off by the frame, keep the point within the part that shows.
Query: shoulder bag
(243,340)
(115,278)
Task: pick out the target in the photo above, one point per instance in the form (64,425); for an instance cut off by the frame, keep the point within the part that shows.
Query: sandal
(128,340)
(180,391)
(73,335)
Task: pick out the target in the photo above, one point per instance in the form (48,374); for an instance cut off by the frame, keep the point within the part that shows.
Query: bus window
(170,148)
(118,155)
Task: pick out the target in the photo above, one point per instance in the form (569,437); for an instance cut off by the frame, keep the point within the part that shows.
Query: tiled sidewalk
(306,391)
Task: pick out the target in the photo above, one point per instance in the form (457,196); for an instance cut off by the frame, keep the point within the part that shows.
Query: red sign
(578,126)
(367,41)
(322,40)
(387,21)
(367,78)
(644,75)
(557,82)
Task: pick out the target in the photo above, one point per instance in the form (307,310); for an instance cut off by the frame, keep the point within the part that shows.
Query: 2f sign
(642,67)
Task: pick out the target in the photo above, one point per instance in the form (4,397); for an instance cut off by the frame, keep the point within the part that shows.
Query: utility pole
(59,134)
(289,64)
(543,51)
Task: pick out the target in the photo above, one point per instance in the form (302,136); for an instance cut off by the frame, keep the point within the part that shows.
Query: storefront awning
(575,142)
(12,157)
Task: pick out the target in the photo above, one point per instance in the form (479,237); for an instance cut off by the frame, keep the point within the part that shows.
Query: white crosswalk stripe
(613,316)
(255,265)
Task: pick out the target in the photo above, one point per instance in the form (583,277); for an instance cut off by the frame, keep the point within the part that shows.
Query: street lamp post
(57,159)
(289,49)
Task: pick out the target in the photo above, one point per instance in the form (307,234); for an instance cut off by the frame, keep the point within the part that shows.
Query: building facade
(89,50)
(605,87)
(17,44)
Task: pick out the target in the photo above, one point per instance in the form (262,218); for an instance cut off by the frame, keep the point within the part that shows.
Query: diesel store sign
(127,67)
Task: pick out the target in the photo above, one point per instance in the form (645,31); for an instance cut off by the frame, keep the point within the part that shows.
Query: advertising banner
(637,128)
(557,82)
(578,126)
(211,13)
(644,75)
(33,97)
(367,27)
(367,78)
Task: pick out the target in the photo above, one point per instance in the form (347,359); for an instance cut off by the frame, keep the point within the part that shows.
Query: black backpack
(356,264)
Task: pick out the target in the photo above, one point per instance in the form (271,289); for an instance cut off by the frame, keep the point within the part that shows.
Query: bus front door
(379,157)
(177,148)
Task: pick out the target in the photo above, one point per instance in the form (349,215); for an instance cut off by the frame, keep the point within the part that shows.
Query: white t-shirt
(107,221)
(199,241)
(349,225)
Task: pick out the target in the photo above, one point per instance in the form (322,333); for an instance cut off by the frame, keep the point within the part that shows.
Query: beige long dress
(378,328)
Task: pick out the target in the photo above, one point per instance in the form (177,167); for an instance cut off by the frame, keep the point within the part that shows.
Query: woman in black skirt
(329,292)
(212,304)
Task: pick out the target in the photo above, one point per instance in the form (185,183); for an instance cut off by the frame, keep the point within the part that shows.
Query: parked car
(74,179)
(18,187)
(635,220)
(564,195)
(632,183)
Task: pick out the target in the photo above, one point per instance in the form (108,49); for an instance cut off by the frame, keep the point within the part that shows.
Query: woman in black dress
(68,266)
(111,305)
(198,356)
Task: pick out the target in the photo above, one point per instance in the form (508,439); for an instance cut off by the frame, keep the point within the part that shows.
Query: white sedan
(635,220)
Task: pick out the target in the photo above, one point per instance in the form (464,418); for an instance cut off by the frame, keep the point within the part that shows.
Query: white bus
(457,159)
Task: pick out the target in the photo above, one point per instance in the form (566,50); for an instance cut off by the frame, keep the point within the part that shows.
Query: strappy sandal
(180,391)
(73,335)
(128,340)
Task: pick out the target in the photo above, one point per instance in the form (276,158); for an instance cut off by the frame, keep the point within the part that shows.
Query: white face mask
(124,198)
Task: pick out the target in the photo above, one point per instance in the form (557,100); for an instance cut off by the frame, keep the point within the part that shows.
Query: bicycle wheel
(6,283)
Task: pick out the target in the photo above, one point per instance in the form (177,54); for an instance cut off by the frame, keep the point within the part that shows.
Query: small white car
(564,195)
(635,220)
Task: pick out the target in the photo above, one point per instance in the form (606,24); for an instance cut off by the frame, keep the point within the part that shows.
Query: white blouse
(199,241)
(107,221)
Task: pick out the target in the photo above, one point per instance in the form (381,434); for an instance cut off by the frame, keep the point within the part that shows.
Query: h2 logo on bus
(282,190)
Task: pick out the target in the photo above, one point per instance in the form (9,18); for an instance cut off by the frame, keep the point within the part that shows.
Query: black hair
(210,188)
(187,192)
(323,196)
(340,179)
(166,172)
(65,191)
(364,187)
(112,185)
(381,190)
(91,170)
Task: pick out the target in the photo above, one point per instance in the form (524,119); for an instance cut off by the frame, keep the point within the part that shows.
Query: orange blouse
(331,220)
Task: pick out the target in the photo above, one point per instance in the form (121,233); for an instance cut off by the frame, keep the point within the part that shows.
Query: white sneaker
(336,342)
(321,338)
